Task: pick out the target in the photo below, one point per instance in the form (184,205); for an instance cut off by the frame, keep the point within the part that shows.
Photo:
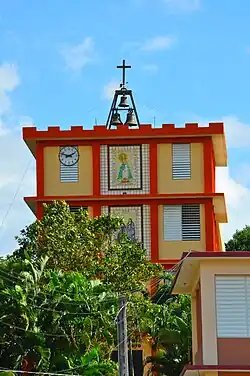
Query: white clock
(69,155)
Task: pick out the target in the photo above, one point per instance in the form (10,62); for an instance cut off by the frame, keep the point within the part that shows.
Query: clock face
(69,155)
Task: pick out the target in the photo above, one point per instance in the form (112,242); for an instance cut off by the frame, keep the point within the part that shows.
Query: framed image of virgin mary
(124,167)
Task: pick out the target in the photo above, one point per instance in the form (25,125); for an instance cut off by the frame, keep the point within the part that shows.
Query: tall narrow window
(181,222)
(69,166)
(181,161)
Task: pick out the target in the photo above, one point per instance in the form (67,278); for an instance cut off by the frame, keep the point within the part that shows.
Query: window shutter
(181,161)
(75,209)
(191,222)
(172,222)
(232,306)
(69,174)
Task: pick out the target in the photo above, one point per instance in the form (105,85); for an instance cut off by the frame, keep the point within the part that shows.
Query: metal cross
(123,67)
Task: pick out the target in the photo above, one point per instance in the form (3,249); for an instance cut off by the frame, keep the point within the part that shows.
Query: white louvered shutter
(69,174)
(181,161)
(232,306)
(172,222)
(191,222)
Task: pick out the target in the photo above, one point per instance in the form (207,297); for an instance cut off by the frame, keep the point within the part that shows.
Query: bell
(131,120)
(115,120)
(124,101)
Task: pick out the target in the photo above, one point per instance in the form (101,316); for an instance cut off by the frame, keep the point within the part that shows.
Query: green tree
(68,297)
(240,240)
(168,323)
(75,242)
(53,320)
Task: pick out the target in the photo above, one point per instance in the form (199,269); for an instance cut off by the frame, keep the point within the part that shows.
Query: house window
(181,222)
(69,173)
(232,306)
(181,161)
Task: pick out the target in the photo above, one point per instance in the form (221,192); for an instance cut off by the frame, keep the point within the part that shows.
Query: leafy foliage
(240,240)
(52,320)
(75,242)
(59,292)
(169,326)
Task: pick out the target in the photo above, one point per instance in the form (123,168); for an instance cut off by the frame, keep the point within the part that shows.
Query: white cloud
(237,132)
(109,89)
(26,121)
(158,43)
(14,160)
(237,192)
(79,55)
(9,80)
(237,199)
(179,6)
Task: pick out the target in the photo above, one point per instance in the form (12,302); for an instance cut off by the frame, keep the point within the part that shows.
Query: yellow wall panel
(166,184)
(52,184)
(174,249)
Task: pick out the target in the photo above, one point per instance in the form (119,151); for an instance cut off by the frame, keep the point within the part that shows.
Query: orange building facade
(161,178)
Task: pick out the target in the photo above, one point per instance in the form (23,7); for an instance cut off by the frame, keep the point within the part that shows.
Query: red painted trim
(167,261)
(154,227)
(145,130)
(153,286)
(209,175)
(228,254)
(40,169)
(153,169)
(167,266)
(143,197)
(123,141)
(117,201)
(96,210)
(213,171)
(216,234)
(39,210)
(209,227)
(96,169)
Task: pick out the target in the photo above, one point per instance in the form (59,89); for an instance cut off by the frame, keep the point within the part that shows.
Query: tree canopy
(75,242)
(240,240)
(53,320)
(59,294)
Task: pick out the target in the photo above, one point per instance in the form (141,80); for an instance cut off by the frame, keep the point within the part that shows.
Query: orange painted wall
(52,184)
(173,249)
(166,184)
(202,179)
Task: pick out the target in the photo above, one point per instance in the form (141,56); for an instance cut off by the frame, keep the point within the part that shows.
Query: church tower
(161,180)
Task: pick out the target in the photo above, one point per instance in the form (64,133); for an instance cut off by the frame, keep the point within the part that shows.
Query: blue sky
(190,59)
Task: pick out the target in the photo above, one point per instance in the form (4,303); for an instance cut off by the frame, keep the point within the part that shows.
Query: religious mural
(132,221)
(125,171)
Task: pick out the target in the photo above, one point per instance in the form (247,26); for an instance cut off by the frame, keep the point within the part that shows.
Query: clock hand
(70,155)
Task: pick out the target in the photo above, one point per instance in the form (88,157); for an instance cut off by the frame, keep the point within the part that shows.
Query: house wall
(224,351)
